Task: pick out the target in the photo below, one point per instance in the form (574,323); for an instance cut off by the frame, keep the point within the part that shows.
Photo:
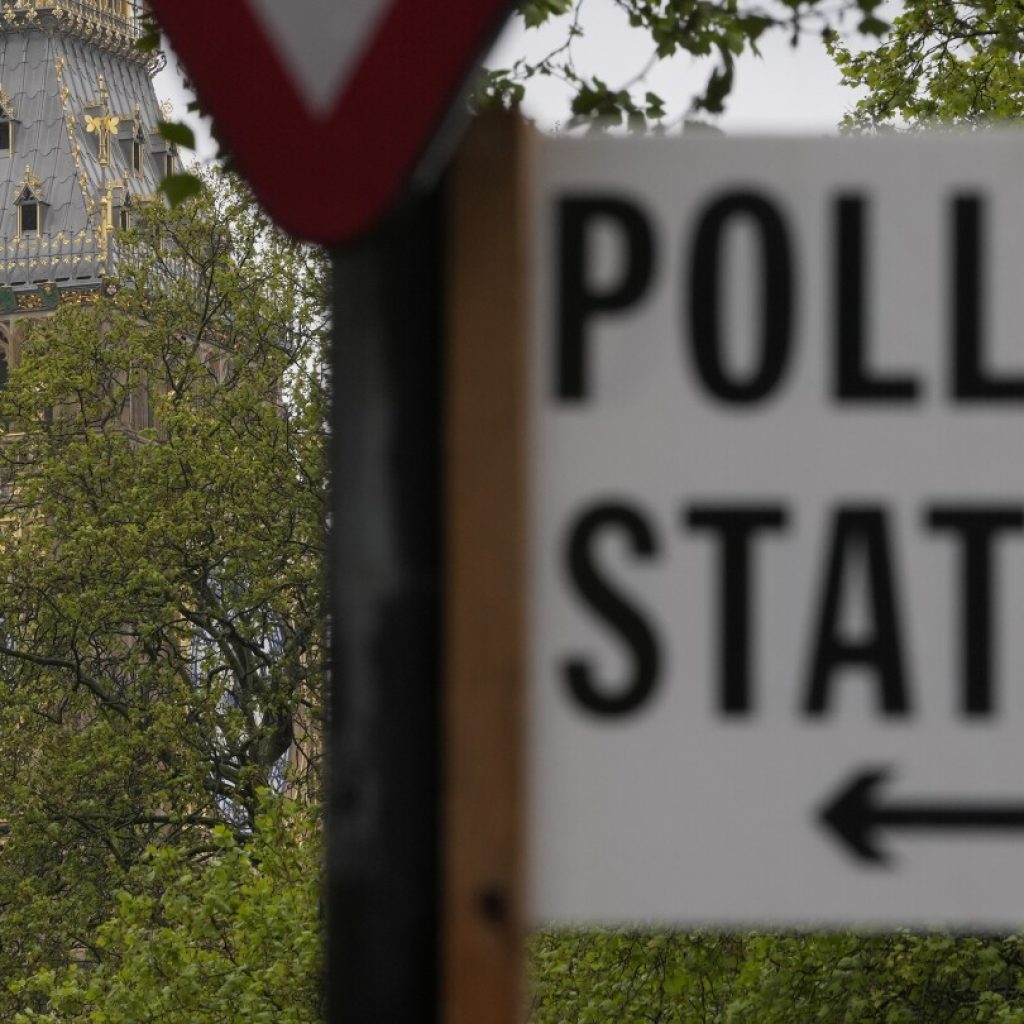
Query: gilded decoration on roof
(30,182)
(102,127)
(114,26)
(101,122)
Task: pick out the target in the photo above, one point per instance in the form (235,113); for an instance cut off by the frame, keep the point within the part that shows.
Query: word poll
(582,300)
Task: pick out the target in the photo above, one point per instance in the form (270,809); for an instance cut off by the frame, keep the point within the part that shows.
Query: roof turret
(79,124)
(112,24)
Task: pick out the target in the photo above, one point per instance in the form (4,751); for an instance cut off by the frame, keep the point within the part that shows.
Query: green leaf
(178,133)
(149,39)
(872,26)
(180,187)
(536,12)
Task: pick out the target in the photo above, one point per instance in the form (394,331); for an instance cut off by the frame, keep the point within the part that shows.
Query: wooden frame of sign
(483,974)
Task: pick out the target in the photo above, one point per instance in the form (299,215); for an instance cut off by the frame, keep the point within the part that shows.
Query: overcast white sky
(788,90)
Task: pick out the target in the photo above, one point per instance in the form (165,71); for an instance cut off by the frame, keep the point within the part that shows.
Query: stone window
(124,214)
(30,207)
(7,123)
(28,213)
(138,153)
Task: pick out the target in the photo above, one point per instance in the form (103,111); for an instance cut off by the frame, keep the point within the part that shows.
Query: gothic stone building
(79,151)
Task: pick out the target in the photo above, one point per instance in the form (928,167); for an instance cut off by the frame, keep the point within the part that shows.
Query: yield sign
(328,105)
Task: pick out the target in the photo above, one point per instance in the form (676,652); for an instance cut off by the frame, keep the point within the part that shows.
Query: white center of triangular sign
(320,42)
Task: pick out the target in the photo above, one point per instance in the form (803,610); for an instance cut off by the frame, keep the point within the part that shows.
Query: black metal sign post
(383,733)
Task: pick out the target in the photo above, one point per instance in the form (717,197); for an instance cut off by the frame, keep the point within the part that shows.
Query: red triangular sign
(328,105)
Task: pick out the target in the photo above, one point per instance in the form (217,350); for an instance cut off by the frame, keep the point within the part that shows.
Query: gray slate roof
(55,79)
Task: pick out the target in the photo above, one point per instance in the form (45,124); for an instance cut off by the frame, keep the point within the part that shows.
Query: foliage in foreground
(706,978)
(232,935)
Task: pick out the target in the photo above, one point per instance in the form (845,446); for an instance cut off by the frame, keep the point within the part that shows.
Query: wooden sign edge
(483,974)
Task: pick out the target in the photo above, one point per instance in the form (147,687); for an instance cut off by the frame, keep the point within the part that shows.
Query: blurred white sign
(778,532)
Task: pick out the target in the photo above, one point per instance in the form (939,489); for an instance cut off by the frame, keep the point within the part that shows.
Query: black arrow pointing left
(856,814)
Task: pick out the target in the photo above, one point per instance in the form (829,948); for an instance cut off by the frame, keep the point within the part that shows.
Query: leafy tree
(950,63)
(233,935)
(160,603)
(229,936)
(634,976)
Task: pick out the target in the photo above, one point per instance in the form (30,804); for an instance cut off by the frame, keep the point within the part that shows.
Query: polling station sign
(777,531)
